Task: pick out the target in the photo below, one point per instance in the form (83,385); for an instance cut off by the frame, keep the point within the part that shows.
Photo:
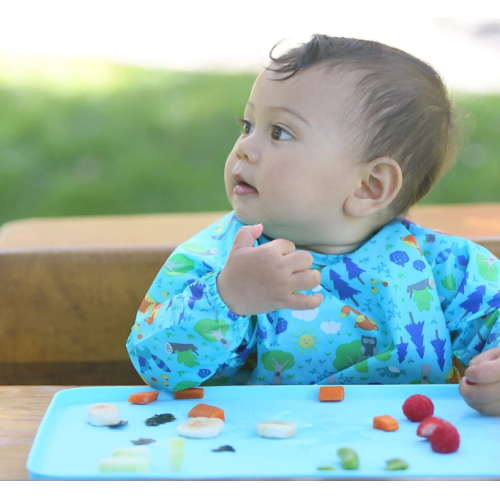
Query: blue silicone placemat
(67,447)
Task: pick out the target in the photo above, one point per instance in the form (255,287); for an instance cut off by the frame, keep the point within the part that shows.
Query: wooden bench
(71,287)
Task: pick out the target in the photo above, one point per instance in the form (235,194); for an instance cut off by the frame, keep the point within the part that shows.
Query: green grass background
(93,138)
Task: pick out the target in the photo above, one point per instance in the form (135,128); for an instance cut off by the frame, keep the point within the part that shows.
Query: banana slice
(201,427)
(279,430)
(103,414)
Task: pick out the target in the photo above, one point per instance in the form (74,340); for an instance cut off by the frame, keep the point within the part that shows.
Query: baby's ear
(380,182)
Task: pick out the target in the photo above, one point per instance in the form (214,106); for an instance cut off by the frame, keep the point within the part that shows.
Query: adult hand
(480,386)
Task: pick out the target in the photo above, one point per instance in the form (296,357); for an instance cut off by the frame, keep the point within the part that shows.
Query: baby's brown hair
(399,108)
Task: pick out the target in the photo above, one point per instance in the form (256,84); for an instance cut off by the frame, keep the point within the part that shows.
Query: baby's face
(302,169)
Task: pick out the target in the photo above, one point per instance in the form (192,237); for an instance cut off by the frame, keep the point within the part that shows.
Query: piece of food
(396,464)
(143,441)
(133,451)
(124,464)
(192,393)
(418,407)
(277,430)
(201,427)
(443,435)
(160,419)
(327,467)
(331,393)
(385,423)
(429,425)
(203,410)
(445,439)
(175,453)
(350,460)
(143,398)
(225,448)
(119,424)
(103,414)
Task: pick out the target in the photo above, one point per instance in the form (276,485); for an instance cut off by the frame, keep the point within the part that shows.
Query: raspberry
(418,407)
(429,425)
(445,439)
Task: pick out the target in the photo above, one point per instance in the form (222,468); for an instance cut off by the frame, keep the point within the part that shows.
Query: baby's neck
(354,237)
(334,249)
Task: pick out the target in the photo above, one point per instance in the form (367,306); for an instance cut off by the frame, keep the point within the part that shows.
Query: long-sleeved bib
(412,305)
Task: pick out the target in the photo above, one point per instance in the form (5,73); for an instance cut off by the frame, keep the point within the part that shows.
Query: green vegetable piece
(134,451)
(327,467)
(396,464)
(160,419)
(350,460)
(124,464)
(175,453)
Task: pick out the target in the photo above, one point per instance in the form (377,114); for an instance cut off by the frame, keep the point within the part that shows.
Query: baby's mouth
(243,188)
(245,184)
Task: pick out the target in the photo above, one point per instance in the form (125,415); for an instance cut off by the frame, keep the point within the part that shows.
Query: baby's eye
(280,131)
(243,123)
(276,132)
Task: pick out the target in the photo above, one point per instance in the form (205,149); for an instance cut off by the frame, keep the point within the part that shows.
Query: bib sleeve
(183,331)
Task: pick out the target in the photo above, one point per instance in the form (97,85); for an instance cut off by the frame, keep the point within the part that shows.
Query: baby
(340,138)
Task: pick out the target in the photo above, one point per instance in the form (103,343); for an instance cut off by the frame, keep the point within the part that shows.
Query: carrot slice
(193,393)
(385,423)
(331,393)
(143,398)
(203,410)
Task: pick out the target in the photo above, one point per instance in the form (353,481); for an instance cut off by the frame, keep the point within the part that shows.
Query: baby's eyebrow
(281,108)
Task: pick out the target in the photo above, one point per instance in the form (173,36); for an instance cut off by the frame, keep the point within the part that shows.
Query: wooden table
(21,411)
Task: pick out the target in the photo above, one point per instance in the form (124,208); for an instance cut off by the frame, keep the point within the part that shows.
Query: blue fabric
(413,305)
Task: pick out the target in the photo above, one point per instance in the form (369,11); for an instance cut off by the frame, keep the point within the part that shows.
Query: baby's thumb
(247,235)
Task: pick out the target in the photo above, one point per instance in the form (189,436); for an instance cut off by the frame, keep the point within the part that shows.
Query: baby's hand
(480,386)
(258,280)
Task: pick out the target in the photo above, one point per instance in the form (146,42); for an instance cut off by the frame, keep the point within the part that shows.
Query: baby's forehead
(320,90)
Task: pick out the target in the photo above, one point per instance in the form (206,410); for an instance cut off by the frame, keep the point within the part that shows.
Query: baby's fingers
(479,394)
(488,355)
(485,372)
(491,409)
(301,301)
